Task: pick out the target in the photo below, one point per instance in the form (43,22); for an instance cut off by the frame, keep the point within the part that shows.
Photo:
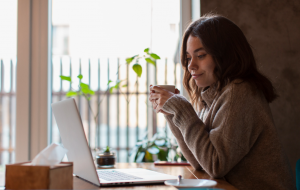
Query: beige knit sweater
(233,137)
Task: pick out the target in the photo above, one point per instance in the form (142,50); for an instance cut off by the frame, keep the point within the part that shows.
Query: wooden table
(187,172)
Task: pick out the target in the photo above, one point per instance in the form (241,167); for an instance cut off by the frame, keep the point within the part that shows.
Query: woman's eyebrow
(199,49)
(195,51)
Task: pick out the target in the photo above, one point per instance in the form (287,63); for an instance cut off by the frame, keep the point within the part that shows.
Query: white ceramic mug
(170,88)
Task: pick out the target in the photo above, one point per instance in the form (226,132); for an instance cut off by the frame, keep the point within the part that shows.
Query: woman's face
(200,64)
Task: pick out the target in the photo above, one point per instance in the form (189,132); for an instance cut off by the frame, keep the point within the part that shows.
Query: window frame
(32,83)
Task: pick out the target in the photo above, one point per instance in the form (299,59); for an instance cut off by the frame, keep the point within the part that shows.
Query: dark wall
(273,29)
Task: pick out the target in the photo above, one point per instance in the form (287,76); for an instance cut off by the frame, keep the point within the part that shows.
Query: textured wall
(273,30)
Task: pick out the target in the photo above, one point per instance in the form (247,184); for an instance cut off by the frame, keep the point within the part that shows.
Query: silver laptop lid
(73,138)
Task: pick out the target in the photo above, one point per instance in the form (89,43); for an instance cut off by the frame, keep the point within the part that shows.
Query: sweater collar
(208,94)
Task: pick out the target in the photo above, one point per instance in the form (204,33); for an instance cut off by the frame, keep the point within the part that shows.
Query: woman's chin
(200,85)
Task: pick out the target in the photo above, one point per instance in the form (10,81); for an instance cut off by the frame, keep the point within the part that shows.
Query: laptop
(74,140)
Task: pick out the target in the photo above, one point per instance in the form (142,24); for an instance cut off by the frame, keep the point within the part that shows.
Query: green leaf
(154,56)
(80,76)
(118,84)
(84,86)
(107,149)
(91,92)
(153,150)
(146,50)
(137,150)
(114,87)
(65,78)
(160,142)
(162,155)
(125,85)
(148,157)
(137,69)
(85,90)
(111,89)
(130,59)
(109,82)
(149,60)
(71,93)
(140,157)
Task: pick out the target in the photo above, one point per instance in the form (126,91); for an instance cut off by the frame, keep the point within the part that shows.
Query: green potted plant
(159,147)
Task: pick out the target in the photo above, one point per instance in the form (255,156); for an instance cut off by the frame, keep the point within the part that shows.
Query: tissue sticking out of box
(50,156)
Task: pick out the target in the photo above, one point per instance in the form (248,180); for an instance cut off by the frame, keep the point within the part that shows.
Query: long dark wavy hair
(231,52)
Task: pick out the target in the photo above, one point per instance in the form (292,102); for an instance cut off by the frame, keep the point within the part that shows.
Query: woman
(231,134)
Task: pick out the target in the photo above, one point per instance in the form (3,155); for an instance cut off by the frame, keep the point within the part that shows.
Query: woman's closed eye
(188,59)
(201,56)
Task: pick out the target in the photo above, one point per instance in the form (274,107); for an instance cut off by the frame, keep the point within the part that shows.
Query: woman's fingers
(156,89)
(154,96)
(154,105)
(158,96)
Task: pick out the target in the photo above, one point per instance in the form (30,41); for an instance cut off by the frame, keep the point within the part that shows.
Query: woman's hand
(158,97)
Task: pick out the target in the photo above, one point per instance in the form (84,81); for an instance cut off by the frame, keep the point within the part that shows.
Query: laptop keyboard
(115,175)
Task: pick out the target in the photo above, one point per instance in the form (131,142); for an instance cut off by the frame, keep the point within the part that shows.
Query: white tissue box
(26,176)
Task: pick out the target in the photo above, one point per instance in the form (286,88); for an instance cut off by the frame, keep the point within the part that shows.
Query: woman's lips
(196,75)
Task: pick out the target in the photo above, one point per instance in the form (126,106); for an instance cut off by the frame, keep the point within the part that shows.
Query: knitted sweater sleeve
(184,149)
(232,131)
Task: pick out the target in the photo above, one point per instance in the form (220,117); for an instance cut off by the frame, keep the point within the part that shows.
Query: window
(93,38)
(8,39)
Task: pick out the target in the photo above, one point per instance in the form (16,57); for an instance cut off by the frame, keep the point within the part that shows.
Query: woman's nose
(192,65)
